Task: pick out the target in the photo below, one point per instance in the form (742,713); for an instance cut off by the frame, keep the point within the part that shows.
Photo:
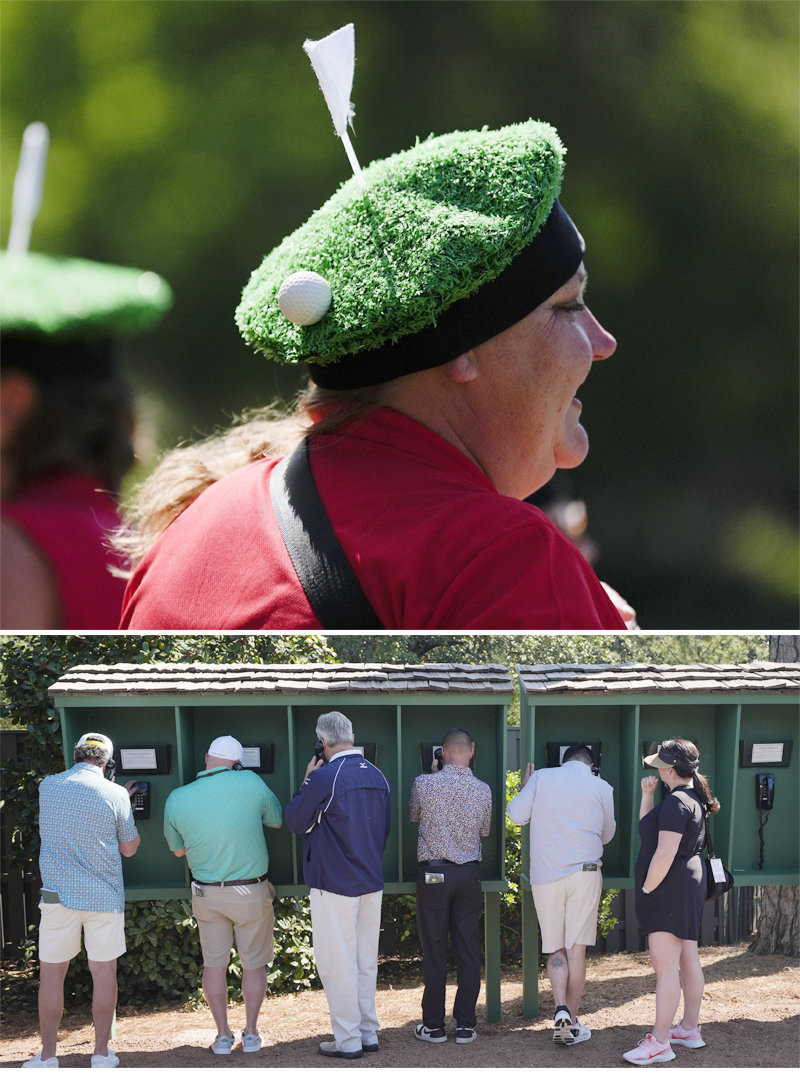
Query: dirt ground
(751,1015)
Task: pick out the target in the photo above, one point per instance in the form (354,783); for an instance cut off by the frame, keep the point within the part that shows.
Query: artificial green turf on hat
(70,298)
(443,246)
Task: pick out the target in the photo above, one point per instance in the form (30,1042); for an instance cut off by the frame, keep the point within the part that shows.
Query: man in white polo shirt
(85,824)
(571,817)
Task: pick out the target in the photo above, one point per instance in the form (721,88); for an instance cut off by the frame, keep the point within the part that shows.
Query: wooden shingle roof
(678,679)
(119,679)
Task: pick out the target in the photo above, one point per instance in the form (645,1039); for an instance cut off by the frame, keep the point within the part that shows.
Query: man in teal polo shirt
(218,823)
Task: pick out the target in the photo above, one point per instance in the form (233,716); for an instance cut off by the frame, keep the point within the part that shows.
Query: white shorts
(60,934)
(567,909)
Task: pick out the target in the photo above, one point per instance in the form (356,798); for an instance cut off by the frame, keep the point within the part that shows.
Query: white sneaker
(252,1042)
(37,1061)
(110,1060)
(222,1045)
(580,1033)
(562,1027)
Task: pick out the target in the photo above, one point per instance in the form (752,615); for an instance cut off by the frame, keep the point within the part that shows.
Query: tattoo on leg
(556,961)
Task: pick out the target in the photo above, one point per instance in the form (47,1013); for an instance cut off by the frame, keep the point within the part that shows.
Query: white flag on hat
(334,59)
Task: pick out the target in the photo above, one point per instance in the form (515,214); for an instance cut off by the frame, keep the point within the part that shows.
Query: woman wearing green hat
(439,308)
(65,441)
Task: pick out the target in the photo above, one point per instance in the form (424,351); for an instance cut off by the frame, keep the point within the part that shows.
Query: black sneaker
(432,1036)
(465,1034)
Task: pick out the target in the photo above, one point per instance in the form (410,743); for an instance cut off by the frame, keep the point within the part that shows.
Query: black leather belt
(446,861)
(231,883)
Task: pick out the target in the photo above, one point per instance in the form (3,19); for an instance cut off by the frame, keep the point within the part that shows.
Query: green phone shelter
(743,719)
(162,718)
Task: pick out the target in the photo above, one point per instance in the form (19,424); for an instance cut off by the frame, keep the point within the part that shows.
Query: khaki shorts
(222,913)
(567,909)
(60,934)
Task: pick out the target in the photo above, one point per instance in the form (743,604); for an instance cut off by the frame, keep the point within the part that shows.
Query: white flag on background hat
(334,59)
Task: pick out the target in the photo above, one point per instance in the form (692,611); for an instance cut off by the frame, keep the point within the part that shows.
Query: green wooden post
(491,924)
(530,954)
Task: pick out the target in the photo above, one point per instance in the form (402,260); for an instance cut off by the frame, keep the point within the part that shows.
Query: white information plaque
(767,752)
(143,759)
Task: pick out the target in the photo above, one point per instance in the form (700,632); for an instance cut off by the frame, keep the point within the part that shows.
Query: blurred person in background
(66,420)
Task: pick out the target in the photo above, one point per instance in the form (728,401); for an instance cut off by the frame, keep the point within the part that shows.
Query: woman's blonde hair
(187,470)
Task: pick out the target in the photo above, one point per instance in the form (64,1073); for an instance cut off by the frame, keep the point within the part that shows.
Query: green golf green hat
(61,313)
(446,245)
(69,297)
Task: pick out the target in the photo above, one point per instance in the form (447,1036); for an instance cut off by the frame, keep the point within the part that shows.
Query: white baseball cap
(94,738)
(227,748)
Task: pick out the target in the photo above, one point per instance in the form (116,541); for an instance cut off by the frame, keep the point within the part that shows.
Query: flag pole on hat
(334,59)
(28,183)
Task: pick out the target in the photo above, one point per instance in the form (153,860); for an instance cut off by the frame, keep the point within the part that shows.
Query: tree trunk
(784,648)
(778,926)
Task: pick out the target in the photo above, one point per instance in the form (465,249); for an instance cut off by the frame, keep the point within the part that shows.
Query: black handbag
(715,888)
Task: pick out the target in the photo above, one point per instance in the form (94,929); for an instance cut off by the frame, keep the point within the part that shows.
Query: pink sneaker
(689,1038)
(649,1051)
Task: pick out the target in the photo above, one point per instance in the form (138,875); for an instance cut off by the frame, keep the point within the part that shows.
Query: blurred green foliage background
(189,136)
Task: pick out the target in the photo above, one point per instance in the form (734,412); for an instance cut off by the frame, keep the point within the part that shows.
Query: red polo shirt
(432,543)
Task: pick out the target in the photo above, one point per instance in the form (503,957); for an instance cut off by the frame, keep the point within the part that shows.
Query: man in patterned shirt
(85,824)
(454,812)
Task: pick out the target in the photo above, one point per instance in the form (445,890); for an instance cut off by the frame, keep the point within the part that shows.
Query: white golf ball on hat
(304,297)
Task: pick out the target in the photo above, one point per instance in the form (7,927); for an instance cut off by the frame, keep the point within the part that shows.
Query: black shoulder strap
(709,844)
(331,586)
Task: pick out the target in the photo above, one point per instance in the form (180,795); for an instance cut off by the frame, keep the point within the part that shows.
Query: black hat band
(534,275)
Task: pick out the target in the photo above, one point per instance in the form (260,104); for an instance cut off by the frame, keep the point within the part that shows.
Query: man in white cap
(85,824)
(218,823)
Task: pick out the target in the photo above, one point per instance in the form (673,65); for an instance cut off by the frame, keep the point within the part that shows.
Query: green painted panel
(425,725)
(590,724)
(254,725)
(782,832)
(153,864)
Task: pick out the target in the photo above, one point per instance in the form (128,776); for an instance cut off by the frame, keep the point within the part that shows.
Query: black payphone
(140,800)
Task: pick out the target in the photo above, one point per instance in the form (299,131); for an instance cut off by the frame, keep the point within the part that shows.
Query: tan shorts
(567,909)
(60,934)
(222,913)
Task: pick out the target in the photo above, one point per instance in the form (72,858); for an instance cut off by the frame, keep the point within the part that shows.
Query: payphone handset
(140,800)
(765,791)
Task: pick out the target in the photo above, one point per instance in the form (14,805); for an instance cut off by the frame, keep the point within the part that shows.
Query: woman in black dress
(671,893)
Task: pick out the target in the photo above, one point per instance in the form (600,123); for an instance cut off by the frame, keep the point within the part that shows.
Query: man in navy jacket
(343,809)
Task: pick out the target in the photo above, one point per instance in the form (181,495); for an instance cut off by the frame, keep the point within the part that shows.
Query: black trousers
(452,907)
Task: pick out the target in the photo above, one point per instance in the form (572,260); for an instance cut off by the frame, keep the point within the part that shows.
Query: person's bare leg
(254,989)
(215,989)
(692,983)
(51,1003)
(665,953)
(576,963)
(104,1002)
(558,972)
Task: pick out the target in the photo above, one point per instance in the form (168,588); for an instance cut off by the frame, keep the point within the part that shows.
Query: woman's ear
(17,397)
(463,369)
